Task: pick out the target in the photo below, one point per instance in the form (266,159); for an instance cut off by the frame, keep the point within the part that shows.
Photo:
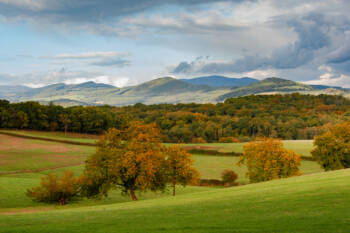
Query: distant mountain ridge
(221,81)
(209,89)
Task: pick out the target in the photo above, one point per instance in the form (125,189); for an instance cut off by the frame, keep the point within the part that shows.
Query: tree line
(291,116)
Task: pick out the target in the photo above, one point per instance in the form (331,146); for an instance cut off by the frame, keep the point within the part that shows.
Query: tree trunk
(133,196)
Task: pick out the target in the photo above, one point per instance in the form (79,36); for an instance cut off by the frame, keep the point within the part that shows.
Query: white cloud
(118,82)
(89,55)
(331,80)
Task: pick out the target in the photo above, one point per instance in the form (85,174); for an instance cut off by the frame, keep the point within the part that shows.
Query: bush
(199,140)
(267,159)
(56,189)
(210,182)
(228,140)
(332,149)
(229,178)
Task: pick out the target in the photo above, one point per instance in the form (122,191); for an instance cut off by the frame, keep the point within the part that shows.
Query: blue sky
(128,42)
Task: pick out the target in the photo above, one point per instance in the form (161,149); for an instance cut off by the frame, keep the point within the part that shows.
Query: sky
(125,43)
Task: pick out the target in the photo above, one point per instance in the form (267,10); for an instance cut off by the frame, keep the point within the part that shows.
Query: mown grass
(312,203)
(14,187)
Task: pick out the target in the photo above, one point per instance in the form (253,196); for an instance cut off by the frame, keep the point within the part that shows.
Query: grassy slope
(314,203)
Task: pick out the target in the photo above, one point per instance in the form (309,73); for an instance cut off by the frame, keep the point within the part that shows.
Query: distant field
(26,155)
(302,147)
(306,204)
(211,167)
(70,137)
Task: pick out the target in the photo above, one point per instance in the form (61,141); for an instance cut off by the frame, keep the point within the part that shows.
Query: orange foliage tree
(56,189)
(267,159)
(131,159)
(332,149)
(180,168)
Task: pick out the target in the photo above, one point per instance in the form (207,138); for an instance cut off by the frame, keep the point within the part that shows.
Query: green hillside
(313,203)
(268,85)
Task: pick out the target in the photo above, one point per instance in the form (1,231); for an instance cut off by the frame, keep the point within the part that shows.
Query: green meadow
(314,202)
(311,203)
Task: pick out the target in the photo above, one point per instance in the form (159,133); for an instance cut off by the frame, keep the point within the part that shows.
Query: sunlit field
(314,203)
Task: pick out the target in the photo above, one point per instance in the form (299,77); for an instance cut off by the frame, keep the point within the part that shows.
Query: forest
(290,116)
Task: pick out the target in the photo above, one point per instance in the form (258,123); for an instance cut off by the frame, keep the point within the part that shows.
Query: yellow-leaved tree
(267,159)
(332,149)
(180,168)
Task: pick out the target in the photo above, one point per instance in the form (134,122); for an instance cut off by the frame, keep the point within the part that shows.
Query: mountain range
(209,89)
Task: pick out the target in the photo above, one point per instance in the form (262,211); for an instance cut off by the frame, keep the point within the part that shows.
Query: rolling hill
(267,86)
(305,204)
(209,89)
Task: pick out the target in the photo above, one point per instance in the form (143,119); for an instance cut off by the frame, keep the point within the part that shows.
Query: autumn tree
(267,159)
(132,160)
(180,168)
(332,149)
(56,189)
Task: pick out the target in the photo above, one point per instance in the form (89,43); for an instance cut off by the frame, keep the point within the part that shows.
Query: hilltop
(208,89)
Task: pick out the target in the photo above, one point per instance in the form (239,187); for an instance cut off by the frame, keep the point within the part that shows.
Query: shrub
(267,159)
(56,189)
(228,140)
(199,140)
(210,182)
(229,178)
(332,149)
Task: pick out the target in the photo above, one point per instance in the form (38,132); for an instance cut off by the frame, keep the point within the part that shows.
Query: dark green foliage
(291,116)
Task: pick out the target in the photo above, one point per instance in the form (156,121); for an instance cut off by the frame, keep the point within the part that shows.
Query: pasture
(302,147)
(312,203)
(23,161)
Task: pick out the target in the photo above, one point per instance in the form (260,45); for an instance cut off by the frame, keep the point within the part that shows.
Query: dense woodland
(292,116)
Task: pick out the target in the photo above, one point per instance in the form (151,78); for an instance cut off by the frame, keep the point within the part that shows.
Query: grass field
(312,203)
(70,137)
(26,155)
(211,167)
(302,147)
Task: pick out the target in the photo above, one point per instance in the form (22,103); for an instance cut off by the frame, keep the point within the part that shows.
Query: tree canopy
(267,159)
(332,149)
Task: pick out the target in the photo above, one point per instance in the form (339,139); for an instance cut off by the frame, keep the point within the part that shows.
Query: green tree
(332,149)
